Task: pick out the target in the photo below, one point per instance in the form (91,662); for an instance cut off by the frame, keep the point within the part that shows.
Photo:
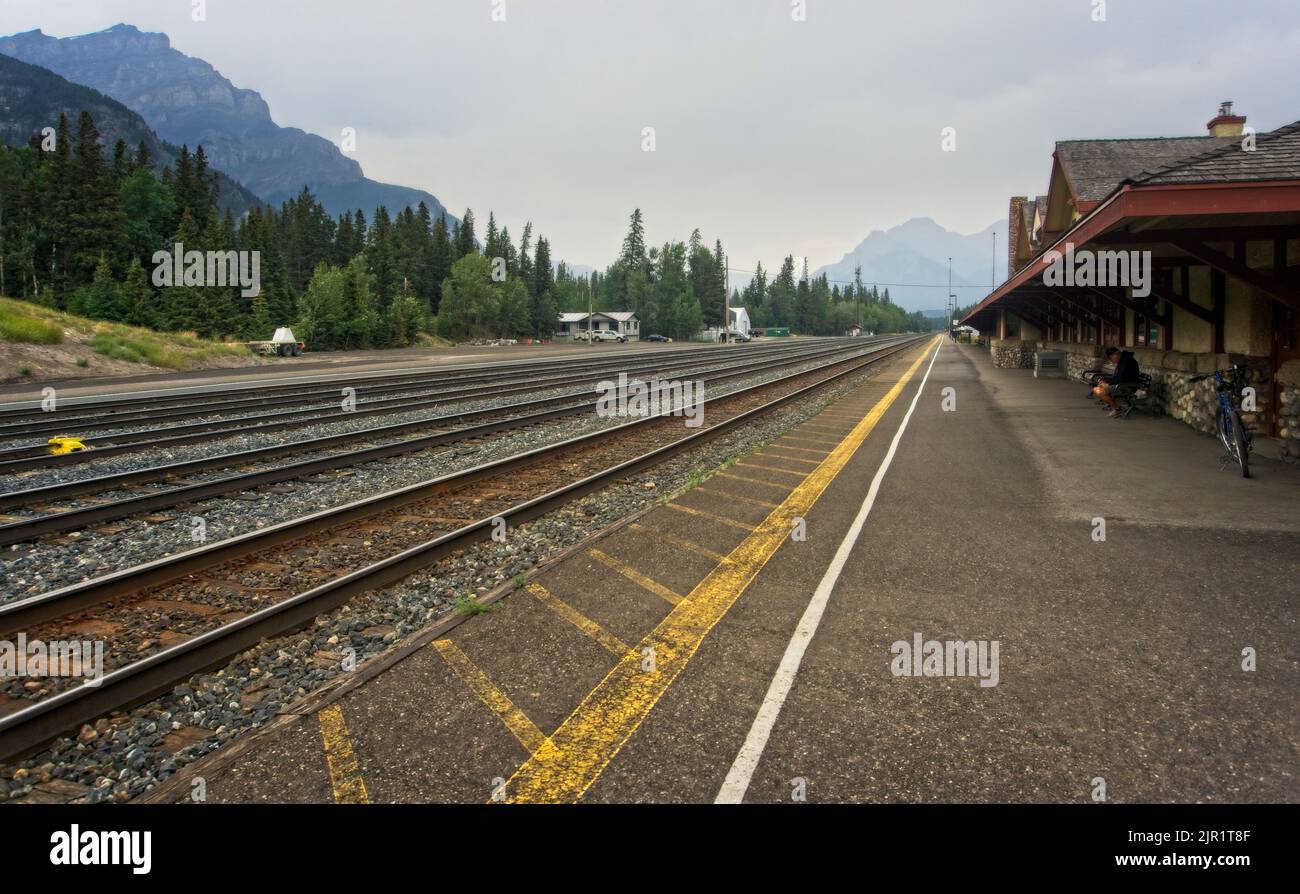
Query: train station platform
(706,651)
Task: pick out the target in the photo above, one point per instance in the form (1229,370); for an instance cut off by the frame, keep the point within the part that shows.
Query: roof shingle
(1096,167)
(1276,157)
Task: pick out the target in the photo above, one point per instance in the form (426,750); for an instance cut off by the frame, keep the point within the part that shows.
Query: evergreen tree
(381,260)
(465,239)
(781,295)
(469,302)
(440,260)
(634,254)
(93,224)
(136,298)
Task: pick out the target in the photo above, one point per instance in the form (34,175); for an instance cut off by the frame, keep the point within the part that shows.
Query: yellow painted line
(635,576)
(799,449)
(515,720)
(700,513)
(345,772)
(766,504)
(579,620)
(680,542)
(823,441)
(789,459)
(574,756)
(744,478)
(752,465)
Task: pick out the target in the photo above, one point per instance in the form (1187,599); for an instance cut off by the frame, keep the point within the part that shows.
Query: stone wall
(1288,379)
(1173,390)
(1012,353)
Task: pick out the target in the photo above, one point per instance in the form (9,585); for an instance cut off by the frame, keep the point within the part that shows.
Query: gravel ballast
(121,756)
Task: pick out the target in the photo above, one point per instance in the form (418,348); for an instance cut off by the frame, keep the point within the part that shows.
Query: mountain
(187,101)
(32,98)
(913,259)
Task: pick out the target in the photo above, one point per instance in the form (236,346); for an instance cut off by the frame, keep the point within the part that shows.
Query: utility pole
(952,301)
(993,275)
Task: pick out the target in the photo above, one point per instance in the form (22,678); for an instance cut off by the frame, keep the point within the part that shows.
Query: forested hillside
(32,99)
(79,228)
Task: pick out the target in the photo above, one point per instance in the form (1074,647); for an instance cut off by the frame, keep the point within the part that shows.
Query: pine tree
(94,223)
(381,260)
(526,262)
(781,295)
(543,275)
(541,299)
(440,260)
(634,254)
(137,298)
(465,239)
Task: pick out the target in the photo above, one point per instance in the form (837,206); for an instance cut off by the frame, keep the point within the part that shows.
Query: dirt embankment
(39,344)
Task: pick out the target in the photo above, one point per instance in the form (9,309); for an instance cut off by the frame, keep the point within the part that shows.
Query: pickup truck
(607,335)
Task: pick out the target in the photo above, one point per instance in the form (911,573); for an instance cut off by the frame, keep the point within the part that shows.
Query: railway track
(244,396)
(36,455)
(59,515)
(176,616)
(319,387)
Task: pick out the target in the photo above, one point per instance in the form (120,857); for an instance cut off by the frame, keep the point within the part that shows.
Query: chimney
(1226,124)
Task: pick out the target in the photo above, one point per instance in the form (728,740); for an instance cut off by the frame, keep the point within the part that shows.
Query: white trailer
(282,344)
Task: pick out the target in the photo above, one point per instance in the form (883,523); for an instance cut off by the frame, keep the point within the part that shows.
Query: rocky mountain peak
(187,101)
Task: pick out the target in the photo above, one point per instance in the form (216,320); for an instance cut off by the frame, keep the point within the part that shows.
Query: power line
(849,282)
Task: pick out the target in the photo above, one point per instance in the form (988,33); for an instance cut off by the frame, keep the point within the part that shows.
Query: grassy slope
(23,323)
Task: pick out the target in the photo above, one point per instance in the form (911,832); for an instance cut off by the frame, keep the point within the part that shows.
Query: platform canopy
(1198,211)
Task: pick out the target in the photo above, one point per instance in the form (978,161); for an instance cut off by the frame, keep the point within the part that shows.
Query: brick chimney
(1226,124)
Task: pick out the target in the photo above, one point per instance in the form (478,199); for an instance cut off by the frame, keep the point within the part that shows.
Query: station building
(624,322)
(1216,218)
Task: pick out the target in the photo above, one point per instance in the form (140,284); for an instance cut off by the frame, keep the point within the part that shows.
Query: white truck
(282,344)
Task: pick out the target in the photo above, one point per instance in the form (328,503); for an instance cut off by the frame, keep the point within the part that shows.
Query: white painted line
(742,768)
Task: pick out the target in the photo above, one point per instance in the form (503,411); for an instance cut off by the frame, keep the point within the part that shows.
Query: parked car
(657,338)
(607,335)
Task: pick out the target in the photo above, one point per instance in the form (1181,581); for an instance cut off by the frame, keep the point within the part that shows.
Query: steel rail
(73,519)
(181,396)
(189,410)
(29,728)
(37,455)
(522,410)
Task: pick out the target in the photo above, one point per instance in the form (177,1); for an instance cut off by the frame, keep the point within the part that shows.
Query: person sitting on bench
(1126,373)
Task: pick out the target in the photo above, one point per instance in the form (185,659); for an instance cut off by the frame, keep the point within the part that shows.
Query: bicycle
(1234,434)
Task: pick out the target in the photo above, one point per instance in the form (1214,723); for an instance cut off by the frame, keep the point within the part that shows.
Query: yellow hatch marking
(700,513)
(753,465)
(515,720)
(780,446)
(766,504)
(735,477)
(579,620)
(789,459)
(575,755)
(824,442)
(679,542)
(345,773)
(635,576)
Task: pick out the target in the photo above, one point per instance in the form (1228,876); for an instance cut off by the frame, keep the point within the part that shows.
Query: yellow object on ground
(62,445)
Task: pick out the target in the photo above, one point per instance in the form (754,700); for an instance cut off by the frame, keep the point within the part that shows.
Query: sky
(780,126)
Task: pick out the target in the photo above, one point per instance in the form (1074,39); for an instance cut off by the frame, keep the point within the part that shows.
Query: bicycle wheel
(1222,423)
(1233,435)
(1243,445)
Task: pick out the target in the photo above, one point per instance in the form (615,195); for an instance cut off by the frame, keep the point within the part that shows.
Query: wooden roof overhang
(1181,225)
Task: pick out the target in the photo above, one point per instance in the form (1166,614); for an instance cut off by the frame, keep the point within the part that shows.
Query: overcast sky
(778,136)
